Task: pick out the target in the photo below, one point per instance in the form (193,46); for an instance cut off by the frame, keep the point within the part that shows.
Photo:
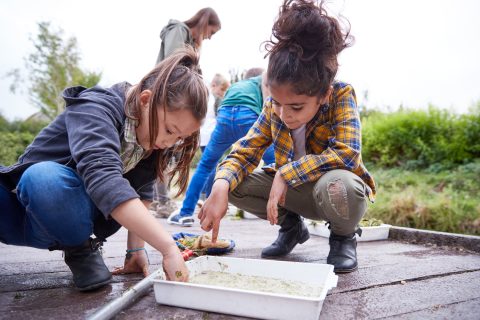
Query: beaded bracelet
(136,249)
(130,251)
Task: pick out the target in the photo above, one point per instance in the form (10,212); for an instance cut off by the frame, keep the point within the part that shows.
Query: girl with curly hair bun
(313,123)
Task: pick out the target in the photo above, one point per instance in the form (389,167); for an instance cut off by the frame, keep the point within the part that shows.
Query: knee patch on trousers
(337,196)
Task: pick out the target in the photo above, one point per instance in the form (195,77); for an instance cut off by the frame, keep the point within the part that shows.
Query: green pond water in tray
(255,283)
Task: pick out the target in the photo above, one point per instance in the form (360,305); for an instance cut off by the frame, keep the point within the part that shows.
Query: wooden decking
(395,280)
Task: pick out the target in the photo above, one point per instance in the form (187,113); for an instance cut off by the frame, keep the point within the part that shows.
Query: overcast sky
(406,52)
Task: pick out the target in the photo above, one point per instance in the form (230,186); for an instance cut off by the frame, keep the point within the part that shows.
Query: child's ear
(326,98)
(145,97)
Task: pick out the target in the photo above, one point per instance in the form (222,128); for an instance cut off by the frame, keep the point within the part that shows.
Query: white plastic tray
(380,232)
(249,303)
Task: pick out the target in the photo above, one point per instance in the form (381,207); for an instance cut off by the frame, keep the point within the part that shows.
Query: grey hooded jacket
(87,138)
(174,35)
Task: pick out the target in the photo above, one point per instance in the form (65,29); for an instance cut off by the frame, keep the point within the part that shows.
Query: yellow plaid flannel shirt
(333,141)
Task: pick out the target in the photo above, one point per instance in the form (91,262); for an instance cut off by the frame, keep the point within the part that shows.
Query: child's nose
(285,114)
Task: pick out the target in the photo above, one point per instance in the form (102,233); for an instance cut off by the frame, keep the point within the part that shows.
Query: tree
(51,67)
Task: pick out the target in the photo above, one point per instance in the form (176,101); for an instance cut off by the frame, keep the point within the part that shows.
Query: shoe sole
(345,270)
(95,285)
(187,224)
(272,257)
(180,224)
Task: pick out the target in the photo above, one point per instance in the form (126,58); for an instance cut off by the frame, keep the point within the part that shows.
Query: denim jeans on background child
(51,207)
(209,183)
(233,123)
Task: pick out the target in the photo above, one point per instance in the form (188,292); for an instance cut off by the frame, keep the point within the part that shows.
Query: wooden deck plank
(36,283)
(401,299)
(465,310)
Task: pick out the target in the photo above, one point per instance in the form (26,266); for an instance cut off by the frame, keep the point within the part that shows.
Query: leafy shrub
(415,139)
(15,136)
(13,144)
(29,126)
(444,201)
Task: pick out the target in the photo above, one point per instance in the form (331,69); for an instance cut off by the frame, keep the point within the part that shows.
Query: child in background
(313,123)
(239,110)
(92,171)
(218,87)
(177,35)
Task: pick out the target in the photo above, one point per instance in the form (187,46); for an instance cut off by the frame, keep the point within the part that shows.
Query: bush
(415,139)
(443,201)
(30,126)
(13,144)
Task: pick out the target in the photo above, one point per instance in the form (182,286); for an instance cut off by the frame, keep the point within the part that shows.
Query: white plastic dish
(380,232)
(247,303)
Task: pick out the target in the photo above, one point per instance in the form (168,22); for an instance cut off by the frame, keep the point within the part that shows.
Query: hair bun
(304,46)
(306,29)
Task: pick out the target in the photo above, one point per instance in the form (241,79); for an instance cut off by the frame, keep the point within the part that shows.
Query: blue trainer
(176,218)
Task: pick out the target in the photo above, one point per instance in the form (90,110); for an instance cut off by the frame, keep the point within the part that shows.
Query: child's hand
(215,208)
(174,265)
(277,197)
(135,262)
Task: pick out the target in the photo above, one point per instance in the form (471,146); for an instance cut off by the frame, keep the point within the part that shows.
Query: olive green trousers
(338,197)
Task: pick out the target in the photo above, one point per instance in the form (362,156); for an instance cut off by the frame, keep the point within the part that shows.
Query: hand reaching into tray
(214,208)
(135,262)
(174,266)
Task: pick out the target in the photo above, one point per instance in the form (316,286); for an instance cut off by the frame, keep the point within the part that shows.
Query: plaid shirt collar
(130,135)
(333,141)
(131,152)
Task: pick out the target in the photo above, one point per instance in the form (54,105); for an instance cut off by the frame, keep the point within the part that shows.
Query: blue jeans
(51,208)
(233,123)
(207,188)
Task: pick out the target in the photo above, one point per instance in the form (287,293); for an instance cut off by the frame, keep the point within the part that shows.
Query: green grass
(447,200)
(434,199)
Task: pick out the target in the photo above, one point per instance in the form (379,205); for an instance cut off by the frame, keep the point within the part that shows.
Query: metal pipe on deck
(112,308)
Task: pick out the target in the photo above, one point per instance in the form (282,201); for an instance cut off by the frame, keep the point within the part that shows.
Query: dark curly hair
(304,46)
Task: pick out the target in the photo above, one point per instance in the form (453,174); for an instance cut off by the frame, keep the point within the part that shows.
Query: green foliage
(415,139)
(444,201)
(15,137)
(13,144)
(4,124)
(53,66)
(29,126)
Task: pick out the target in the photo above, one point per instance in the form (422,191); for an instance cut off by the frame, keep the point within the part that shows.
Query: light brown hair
(176,83)
(203,18)
(221,82)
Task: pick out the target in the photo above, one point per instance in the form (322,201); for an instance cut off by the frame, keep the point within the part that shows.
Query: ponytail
(176,83)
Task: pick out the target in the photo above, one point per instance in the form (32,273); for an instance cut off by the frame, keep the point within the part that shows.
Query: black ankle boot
(292,232)
(86,263)
(343,253)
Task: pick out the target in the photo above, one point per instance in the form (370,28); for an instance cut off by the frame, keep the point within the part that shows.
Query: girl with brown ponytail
(92,171)
(313,122)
